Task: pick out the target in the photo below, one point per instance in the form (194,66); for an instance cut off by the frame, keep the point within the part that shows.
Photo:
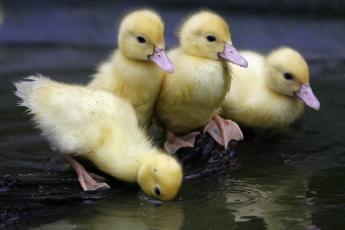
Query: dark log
(42,196)
(26,198)
(206,158)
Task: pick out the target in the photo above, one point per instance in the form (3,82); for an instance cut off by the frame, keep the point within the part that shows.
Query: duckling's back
(75,119)
(248,90)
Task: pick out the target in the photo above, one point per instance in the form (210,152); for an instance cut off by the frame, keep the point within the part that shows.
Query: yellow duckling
(190,96)
(102,128)
(133,70)
(271,92)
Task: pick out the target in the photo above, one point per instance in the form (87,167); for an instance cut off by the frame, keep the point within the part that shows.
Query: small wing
(73,118)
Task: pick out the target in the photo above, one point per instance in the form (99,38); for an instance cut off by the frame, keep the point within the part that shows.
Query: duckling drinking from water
(103,128)
(133,71)
(271,92)
(190,97)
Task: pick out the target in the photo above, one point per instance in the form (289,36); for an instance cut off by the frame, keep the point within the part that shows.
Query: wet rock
(206,158)
(46,195)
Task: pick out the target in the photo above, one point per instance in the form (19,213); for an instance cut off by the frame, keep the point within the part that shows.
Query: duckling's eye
(157,191)
(141,39)
(211,38)
(288,76)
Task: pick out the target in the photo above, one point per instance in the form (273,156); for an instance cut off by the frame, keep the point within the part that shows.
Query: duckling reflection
(124,214)
(168,216)
(280,204)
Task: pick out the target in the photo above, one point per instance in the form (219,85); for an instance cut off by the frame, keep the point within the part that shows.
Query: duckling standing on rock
(190,97)
(133,70)
(102,128)
(271,92)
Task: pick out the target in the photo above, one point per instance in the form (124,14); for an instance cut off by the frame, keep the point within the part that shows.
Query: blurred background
(82,33)
(291,181)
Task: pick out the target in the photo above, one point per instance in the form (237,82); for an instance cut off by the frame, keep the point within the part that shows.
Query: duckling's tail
(26,87)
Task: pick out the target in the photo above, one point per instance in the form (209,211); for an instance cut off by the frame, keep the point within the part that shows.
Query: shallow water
(291,180)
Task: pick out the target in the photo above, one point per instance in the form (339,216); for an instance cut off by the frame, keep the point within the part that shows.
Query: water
(291,180)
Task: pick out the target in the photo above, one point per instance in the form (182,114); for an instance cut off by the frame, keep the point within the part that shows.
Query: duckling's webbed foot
(88,181)
(223,131)
(174,143)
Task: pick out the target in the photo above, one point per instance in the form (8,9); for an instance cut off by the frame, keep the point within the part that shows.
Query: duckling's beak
(305,93)
(160,58)
(232,55)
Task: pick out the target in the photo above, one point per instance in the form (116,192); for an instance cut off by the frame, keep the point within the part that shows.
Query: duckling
(189,97)
(271,92)
(103,128)
(133,70)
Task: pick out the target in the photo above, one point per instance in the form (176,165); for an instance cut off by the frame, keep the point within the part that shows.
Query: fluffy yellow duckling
(271,92)
(133,70)
(102,128)
(190,96)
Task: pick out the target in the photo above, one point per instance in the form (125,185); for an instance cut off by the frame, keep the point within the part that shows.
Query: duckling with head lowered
(190,97)
(133,71)
(271,92)
(103,128)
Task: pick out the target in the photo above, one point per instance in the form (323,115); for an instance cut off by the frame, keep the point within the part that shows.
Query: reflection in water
(280,205)
(272,191)
(245,200)
(124,213)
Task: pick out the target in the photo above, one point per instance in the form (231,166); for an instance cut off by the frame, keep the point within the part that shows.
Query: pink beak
(230,54)
(160,58)
(305,93)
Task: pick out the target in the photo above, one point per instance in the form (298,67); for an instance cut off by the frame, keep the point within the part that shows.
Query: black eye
(157,191)
(211,38)
(141,39)
(288,76)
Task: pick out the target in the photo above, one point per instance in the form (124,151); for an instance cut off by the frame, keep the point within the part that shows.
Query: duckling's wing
(73,118)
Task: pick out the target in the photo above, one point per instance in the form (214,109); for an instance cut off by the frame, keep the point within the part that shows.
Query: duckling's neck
(122,155)
(139,82)
(269,75)
(145,64)
(227,76)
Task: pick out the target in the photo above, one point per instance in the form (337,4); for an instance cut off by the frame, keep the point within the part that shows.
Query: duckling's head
(160,176)
(141,37)
(289,75)
(206,34)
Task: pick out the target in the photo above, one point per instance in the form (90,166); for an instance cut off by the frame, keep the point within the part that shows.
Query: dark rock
(28,197)
(206,158)
(47,195)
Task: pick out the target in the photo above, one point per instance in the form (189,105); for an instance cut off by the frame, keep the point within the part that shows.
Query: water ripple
(245,199)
